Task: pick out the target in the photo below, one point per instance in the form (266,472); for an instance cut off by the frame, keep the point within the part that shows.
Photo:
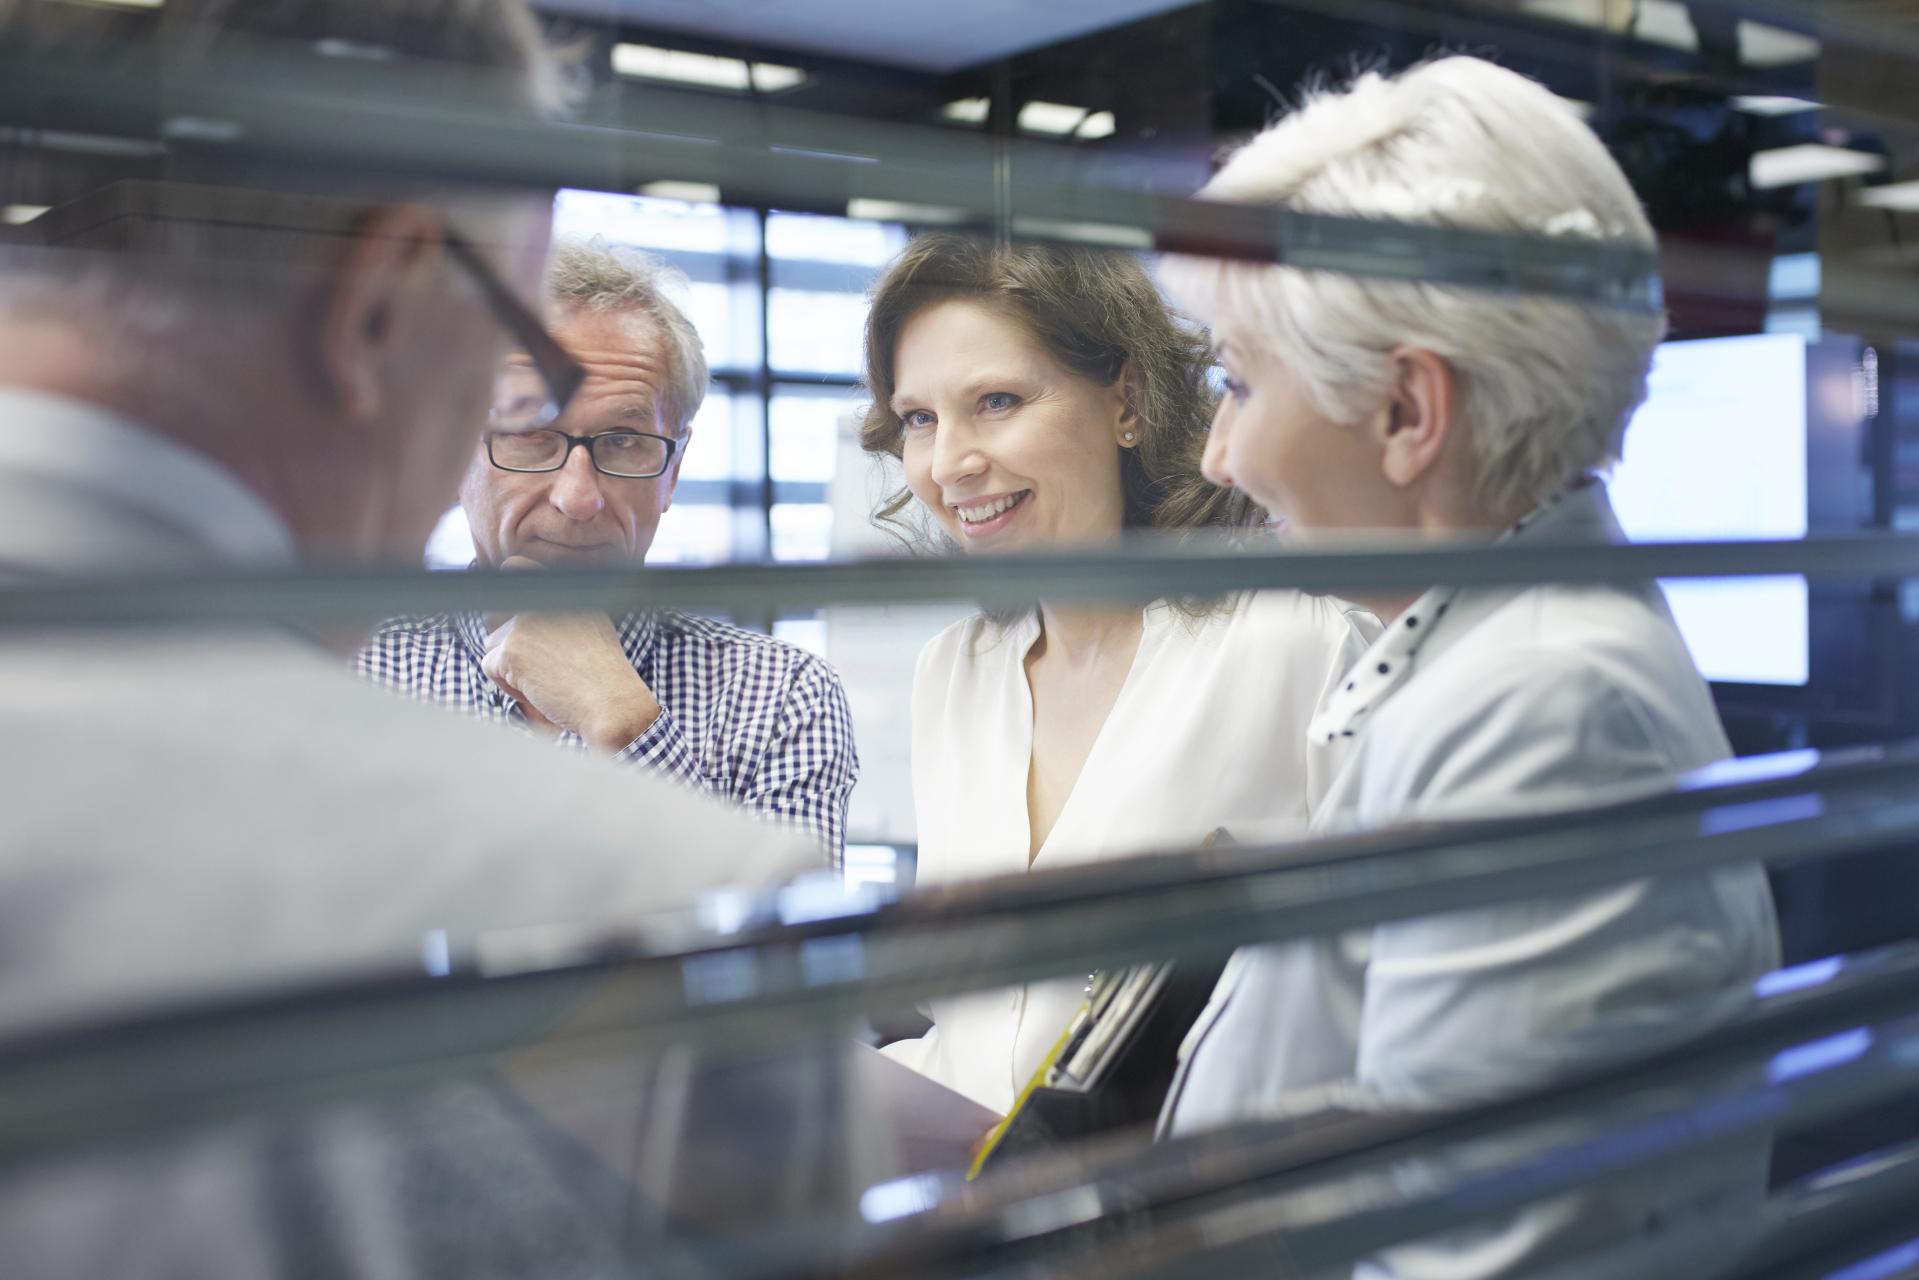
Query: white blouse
(1208,731)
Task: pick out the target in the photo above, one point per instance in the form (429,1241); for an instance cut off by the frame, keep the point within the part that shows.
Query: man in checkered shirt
(737,715)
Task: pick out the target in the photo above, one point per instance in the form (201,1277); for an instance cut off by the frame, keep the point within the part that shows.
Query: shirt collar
(638,634)
(1582,514)
(66,441)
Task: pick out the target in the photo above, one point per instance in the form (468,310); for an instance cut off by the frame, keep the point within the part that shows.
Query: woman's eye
(1233,386)
(998,401)
(915,419)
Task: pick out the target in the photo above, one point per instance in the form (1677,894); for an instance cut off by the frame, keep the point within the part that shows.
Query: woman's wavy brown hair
(1095,311)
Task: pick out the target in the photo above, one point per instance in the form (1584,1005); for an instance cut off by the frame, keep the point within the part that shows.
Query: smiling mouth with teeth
(984,511)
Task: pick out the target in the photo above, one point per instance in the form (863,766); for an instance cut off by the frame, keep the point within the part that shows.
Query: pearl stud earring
(1128,437)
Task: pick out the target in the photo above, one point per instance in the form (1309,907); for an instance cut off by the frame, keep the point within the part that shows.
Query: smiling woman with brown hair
(1038,398)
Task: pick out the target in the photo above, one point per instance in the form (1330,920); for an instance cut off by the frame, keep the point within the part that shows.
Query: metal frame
(1238,1201)
(271,115)
(1138,571)
(769,980)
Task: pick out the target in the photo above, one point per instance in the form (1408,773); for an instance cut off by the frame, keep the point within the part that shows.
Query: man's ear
(357,305)
(1418,422)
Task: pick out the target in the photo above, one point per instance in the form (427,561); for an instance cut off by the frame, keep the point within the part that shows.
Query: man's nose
(1212,463)
(576,489)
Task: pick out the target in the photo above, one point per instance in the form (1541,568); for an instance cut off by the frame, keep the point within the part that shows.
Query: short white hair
(1547,385)
(592,276)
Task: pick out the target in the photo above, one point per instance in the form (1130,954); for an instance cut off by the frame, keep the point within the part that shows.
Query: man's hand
(568,671)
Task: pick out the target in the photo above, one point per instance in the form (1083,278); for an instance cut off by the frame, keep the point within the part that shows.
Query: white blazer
(1477,703)
(1208,731)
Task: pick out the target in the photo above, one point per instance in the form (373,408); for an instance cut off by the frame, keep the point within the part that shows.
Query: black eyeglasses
(519,403)
(630,455)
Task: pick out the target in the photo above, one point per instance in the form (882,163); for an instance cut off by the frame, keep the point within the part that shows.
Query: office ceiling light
(1760,104)
(1106,234)
(1761,45)
(1664,22)
(202,129)
(966,110)
(16,214)
(771,77)
(1055,118)
(1810,162)
(708,71)
(332,48)
(1099,124)
(691,192)
(901,211)
(95,144)
(1901,196)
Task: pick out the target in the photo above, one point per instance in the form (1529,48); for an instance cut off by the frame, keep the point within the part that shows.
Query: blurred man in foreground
(283,375)
(731,713)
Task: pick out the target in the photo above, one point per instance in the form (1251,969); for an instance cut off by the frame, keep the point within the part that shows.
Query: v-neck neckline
(1029,636)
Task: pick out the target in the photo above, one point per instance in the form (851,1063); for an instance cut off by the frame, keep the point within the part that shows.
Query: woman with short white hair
(1448,411)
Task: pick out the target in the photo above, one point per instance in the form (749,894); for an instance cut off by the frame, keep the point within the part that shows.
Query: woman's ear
(1419,421)
(358,303)
(1127,422)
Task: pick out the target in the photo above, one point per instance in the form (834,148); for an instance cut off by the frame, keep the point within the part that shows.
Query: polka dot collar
(1390,661)
(1386,666)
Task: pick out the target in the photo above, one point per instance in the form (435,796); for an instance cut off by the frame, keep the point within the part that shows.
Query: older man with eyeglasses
(748,719)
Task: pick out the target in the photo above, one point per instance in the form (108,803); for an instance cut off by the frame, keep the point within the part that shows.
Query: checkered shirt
(743,717)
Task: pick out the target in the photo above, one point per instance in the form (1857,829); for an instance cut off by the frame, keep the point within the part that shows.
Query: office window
(802,530)
(808,425)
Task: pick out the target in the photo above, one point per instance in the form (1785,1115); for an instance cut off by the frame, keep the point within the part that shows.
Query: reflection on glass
(802,531)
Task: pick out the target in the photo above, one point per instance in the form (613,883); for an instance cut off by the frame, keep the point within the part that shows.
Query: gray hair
(164,262)
(592,276)
(493,35)
(1547,385)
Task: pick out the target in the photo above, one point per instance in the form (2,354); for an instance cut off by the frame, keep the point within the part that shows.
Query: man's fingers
(492,660)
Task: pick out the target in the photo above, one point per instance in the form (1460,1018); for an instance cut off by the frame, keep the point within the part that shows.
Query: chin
(552,553)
